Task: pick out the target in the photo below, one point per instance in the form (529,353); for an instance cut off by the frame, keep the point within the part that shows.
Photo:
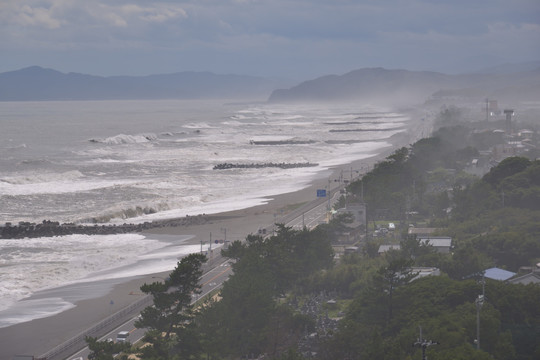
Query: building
(421,232)
(442,244)
(358,211)
(498,274)
(425,271)
(530,278)
(385,248)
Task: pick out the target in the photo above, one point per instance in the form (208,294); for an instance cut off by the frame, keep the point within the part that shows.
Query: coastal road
(314,216)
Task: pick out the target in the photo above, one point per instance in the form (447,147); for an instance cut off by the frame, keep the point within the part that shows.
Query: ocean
(134,161)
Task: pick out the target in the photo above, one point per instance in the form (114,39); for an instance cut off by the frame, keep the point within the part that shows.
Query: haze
(298,39)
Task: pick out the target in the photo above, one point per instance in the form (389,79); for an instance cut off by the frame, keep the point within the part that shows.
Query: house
(425,271)
(531,278)
(442,244)
(421,232)
(358,212)
(385,248)
(498,274)
(355,229)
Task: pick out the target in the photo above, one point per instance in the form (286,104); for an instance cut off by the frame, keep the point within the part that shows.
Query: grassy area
(292,207)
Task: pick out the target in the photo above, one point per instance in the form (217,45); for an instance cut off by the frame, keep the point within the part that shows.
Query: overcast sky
(299,39)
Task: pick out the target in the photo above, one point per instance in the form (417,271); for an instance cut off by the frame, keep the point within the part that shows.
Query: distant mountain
(509,68)
(403,87)
(37,83)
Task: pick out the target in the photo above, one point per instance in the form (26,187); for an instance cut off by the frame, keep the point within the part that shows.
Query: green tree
(506,168)
(249,318)
(105,350)
(170,319)
(396,273)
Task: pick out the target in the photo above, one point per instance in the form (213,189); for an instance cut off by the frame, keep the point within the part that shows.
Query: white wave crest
(53,183)
(42,178)
(199,126)
(17,147)
(126,139)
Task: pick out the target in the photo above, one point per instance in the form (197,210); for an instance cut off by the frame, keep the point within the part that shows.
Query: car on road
(122,336)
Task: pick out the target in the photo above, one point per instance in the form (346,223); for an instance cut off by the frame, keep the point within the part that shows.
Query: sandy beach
(41,335)
(38,336)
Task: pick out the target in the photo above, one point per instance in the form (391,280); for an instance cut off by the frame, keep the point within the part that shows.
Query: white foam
(126,139)
(29,310)
(30,265)
(84,271)
(33,178)
(199,126)
(55,183)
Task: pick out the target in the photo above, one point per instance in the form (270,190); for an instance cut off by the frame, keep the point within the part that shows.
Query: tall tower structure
(509,113)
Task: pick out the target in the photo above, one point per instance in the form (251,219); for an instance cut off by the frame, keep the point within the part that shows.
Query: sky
(292,39)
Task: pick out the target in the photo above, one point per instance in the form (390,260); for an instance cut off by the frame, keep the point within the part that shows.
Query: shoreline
(48,332)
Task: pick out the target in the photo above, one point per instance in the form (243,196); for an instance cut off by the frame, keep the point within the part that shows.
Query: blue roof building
(498,274)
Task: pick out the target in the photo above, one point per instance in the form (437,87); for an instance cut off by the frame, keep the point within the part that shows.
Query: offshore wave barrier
(281,142)
(224,166)
(53,228)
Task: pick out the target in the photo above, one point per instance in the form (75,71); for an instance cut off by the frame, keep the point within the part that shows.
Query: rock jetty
(281,142)
(263,165)
(49,228)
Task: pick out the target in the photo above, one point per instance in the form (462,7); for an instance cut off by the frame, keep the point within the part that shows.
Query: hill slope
(374,85)
(37,83)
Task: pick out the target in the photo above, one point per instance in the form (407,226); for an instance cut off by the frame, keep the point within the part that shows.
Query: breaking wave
(126,139)
(116,215)
(42,178)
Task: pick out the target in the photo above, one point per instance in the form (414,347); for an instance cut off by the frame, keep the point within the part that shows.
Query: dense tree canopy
(248,318)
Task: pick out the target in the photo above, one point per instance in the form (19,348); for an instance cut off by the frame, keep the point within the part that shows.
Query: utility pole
(479,302)
(224,230)
(424,344)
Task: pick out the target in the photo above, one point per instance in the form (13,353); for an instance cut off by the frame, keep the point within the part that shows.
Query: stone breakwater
(263,165)
(52,228)
(281,142)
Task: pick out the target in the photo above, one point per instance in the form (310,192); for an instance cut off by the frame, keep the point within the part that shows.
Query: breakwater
(281,142)
(49,228)
(223,166)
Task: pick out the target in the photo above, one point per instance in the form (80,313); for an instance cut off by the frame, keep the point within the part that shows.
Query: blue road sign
(321,193)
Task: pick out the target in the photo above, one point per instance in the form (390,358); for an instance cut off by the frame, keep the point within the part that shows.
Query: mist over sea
(134,161)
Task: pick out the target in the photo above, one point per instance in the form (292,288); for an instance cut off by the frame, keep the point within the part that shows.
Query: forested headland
(289,297)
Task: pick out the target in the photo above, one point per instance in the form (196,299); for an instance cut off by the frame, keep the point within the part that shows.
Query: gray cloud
(302,38)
